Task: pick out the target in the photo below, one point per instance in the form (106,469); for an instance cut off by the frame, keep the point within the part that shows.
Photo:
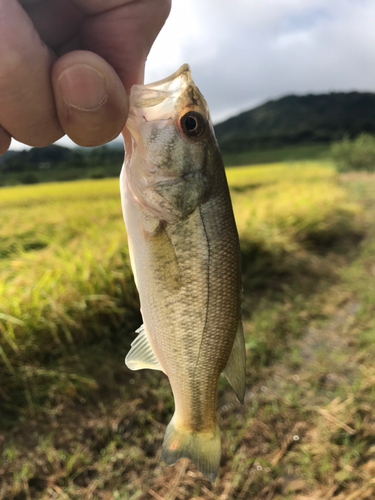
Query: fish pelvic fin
(235,370)
(202,448)
(141,355)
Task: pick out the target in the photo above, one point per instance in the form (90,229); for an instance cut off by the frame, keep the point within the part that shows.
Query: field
(77,424)
(291,153)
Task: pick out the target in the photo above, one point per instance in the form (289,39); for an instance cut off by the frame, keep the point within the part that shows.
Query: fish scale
(185,256)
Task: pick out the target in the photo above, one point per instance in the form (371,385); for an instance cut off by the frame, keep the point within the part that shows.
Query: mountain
(307,119)
(7,155)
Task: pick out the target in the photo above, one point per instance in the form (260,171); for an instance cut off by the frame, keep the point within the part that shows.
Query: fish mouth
(152,94)
(185,68)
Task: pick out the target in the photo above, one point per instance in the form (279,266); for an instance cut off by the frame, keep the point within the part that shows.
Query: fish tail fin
(202,448)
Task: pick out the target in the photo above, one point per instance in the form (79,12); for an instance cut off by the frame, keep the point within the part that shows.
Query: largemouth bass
(185,256)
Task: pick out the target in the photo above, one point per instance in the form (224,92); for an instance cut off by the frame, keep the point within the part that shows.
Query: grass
(78,424)
(241,178)
(292,153)
(65,283)
(304,204)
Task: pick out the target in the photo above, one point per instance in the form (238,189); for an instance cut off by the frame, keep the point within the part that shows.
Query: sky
(245,52)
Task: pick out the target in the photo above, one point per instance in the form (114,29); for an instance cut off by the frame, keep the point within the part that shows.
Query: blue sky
(245,52)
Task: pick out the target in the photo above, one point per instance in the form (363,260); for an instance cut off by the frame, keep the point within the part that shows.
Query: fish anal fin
(235,370)
(202,448)
(141,355)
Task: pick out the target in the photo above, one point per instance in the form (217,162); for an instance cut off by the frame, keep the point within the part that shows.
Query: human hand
(65,66)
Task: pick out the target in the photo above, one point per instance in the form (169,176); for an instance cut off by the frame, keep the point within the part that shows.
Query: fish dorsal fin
(235,370)
(141,355)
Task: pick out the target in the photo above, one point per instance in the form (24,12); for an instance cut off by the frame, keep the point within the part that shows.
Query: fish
(185,256)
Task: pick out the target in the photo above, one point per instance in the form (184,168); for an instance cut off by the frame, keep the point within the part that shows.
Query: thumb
(91,102)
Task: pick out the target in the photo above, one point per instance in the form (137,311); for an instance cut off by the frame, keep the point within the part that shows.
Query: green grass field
(77,424)
(293,153)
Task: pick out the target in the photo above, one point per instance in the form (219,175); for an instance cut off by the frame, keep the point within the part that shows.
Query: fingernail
(83,87)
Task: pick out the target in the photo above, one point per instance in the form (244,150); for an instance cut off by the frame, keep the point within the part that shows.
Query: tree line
(54,157)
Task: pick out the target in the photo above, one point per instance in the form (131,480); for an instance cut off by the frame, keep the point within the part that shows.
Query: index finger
(123,35)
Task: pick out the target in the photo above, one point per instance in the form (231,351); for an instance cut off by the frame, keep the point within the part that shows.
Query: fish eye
(192,124)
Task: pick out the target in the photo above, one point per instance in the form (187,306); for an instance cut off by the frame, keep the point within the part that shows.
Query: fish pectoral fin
(235,370)
(181,196)
(141,355)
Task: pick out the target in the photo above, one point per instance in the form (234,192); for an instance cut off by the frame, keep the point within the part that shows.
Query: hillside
(308,119)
